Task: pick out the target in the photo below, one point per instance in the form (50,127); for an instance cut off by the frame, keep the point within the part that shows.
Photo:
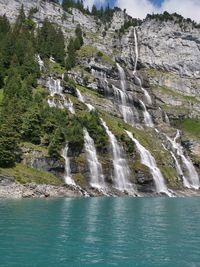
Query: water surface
(144,232)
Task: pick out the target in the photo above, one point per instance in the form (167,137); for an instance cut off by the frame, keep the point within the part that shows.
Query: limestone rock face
(54,12)
(40,161)
(166,45)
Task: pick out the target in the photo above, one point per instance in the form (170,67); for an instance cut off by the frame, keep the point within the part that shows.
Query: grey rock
(165,45)
(6,180)
(17,191)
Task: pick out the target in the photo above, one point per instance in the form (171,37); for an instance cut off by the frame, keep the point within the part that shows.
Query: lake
(144,232)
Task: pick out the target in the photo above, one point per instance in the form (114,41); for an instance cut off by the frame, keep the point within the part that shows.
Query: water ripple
(142,232)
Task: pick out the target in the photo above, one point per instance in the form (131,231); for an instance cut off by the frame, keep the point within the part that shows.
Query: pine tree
(66,4)
(8,144)
(79,35)
(71,59)
(31,126)
(20,20)
(47,46)
(56,144)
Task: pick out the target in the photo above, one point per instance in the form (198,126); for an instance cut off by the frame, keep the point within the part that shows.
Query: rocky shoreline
(9,189)
(18,191)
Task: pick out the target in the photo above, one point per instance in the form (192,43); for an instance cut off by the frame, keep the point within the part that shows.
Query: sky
(140,8)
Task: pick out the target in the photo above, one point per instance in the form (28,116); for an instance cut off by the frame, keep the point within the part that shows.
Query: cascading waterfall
(191,180)
(122,78)
(136,50)
(178,166)
(121,169)
(148,121)
(148,160)
(129,113)
(69,105)
(82,99)
(96,174)
(147,117)
(67,178)
(146,94)
(55,88)
(166,118)
(40,62)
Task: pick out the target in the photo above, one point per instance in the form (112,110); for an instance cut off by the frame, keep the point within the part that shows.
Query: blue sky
(156,2)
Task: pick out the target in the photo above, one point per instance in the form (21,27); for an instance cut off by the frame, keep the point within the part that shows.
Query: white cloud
(187,8)
(136,8)
(140,8)
(90,3)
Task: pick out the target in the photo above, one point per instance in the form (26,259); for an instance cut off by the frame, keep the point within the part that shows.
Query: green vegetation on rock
(26,175)
(190,126)
(90,51)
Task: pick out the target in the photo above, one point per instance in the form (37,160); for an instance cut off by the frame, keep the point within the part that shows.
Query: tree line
(24,112)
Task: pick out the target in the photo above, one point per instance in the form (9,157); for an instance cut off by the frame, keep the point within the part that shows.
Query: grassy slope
(190,126)
(24,174)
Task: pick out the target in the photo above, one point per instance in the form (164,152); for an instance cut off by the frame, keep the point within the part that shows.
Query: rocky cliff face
(54,13)
(145,80)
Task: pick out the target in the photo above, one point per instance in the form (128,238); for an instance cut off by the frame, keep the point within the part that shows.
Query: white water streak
(147,117)
(148,160)
(97,179)
(191,179)
(55,88)
(81,98)
(120,165)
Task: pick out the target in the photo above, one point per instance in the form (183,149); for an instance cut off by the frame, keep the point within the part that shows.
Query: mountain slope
(141,78)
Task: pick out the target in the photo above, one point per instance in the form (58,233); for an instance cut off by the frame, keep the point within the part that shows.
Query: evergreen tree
(79,35)
(20,20)
(8,145)
(94,10)
(71,59)
(66,4)
(74,45)
(31,126)
(56,144)
(50,42)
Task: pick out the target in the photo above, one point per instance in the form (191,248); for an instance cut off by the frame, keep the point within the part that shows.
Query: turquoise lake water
(144,232)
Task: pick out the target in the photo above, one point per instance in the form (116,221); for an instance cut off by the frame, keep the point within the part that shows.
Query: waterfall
(40,62)
(122,78)
(55,88)
(67,177)
(81,98)
(121,168)
(178,166)
(69,105)
(146,94)
(191,180)
(166,118)
(96,174)
(129,113)
(136,50)
(51,103)
(147,117)
(148,160)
